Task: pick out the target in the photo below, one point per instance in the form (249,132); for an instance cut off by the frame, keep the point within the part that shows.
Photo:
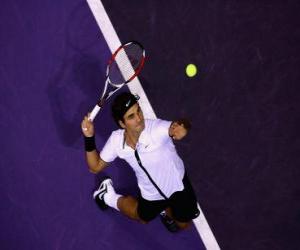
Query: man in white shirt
(147,146)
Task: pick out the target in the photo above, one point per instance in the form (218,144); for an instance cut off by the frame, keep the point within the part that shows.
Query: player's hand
(177,131)
(87,127)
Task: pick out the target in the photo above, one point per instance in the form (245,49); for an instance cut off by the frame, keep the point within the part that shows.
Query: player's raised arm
(95,163)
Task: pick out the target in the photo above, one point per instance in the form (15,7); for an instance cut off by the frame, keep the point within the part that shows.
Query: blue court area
(241,155)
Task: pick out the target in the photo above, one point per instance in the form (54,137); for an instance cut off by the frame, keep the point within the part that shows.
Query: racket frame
(106,95)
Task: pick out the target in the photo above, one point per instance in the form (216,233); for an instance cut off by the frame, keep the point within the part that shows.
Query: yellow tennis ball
(191,70)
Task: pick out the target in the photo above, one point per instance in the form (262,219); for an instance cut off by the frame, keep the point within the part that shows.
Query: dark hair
(121,104)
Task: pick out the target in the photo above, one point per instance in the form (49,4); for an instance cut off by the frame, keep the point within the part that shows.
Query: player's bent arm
(179,129)
(94,161)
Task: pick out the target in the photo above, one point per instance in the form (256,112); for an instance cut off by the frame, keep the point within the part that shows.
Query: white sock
(111,197)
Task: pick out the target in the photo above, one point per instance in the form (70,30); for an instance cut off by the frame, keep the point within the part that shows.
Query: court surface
(241,154)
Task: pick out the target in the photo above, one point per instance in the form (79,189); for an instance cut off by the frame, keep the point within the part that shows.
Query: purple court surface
(242,154)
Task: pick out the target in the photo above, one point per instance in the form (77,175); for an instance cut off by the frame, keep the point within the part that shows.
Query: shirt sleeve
(160,130)
(109,153)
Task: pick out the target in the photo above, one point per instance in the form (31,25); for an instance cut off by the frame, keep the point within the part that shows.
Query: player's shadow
(73,92)
(77,85)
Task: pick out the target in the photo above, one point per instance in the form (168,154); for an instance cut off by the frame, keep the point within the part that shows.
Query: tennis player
(147,146)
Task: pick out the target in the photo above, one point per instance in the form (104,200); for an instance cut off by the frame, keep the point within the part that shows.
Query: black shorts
(182,203)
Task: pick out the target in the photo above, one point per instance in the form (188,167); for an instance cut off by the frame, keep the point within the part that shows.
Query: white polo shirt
(157,154)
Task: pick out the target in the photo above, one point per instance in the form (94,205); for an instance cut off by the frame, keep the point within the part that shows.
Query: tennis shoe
(98,195)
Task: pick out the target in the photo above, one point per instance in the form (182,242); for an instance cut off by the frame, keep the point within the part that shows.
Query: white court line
(113,42)
(135,87)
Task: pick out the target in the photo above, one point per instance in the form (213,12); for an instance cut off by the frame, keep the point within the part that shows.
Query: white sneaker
(98,195)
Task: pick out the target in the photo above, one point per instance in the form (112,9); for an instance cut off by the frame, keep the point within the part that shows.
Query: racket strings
(126,63)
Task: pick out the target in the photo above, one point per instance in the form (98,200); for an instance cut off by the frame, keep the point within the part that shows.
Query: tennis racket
(125,64)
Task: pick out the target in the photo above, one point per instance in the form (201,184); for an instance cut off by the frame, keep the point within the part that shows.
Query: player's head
(127,112)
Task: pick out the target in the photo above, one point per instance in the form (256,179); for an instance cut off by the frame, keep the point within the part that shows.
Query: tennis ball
(191,70)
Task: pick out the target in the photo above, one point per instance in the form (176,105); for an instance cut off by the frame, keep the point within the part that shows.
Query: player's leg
(137,209)
(128,206)
(106,196)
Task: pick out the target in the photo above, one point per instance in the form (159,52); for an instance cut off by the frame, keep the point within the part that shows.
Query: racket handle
(94,112)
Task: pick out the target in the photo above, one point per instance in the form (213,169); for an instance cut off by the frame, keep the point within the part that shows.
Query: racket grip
(94,112)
